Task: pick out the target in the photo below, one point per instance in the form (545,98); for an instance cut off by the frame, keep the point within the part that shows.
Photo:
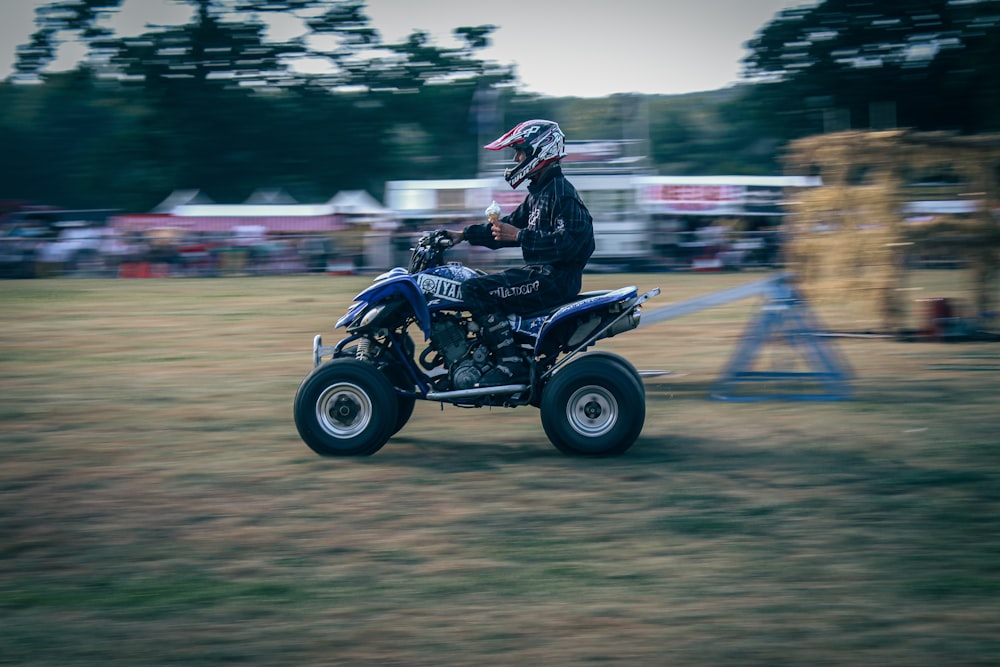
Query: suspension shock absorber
(364,349)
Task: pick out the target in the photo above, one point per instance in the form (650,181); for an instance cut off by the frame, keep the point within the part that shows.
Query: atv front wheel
(346,408)
(398,378)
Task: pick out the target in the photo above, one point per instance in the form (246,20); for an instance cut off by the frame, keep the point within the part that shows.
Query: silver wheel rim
(592,411)
(343,410)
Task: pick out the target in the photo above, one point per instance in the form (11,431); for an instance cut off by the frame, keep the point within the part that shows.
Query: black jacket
(556,227)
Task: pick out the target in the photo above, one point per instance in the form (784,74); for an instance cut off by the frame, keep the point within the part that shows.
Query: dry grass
(158,508)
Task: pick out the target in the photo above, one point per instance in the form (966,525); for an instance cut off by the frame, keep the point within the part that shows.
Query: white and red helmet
(542,143)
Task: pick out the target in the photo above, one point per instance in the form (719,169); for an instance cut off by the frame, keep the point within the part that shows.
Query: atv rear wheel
(594,406)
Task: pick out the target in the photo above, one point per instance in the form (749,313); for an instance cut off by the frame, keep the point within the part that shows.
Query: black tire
(624,363)
(404,404)
(345,408)
(398,377)
(594,406)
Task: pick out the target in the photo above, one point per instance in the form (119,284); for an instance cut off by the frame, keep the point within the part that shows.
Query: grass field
(158,508)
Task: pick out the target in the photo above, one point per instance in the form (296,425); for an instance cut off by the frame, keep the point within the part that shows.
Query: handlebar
(429,251)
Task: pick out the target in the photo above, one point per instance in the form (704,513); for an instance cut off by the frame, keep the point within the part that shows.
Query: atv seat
(548,311)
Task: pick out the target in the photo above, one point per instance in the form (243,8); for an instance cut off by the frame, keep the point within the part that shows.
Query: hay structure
(849,241)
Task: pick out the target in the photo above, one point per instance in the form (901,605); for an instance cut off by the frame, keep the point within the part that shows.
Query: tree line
(214,105)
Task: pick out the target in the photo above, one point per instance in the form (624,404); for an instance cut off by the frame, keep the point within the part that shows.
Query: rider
(555,232)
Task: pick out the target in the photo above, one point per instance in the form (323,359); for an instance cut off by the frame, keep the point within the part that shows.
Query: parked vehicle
(591,403)
(19,248)
(84,249)
(642,222)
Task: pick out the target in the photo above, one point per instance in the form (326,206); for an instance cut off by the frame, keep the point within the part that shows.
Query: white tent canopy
(358,203)
(181,198)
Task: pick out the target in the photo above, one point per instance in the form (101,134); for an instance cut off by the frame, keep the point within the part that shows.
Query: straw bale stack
(848,240)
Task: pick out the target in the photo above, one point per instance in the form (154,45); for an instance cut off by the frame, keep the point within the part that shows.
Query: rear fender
(597,304)
(622,309)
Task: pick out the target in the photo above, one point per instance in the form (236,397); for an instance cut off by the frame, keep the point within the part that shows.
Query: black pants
(519,291)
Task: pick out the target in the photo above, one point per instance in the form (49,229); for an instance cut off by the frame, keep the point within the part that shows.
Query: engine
(450,337)
(460,352)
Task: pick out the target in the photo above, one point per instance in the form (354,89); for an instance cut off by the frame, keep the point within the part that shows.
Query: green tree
(214,105)
(225,43)
(928,64)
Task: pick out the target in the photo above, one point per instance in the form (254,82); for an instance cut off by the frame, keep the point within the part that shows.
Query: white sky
(560,47)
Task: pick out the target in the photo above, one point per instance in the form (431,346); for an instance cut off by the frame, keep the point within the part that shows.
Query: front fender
(396,285)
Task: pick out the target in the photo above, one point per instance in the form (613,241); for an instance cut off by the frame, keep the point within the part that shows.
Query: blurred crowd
(37,251)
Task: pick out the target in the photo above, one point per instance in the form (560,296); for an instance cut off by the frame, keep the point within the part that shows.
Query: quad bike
(362,390)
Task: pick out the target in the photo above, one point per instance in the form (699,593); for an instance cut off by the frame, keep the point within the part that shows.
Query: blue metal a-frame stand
(785,320)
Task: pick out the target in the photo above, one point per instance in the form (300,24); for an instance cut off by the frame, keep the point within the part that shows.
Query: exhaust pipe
(476,392)
(627,323)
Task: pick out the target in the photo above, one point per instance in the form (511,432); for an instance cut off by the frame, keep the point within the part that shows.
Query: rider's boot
(512,367)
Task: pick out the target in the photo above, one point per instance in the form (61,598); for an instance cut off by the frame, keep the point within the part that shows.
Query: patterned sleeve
(567,235)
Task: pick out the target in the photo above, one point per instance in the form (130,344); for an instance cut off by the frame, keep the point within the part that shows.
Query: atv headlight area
(351,315)
(373,316)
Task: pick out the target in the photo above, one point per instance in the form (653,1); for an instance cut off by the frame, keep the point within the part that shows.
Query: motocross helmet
(542,143)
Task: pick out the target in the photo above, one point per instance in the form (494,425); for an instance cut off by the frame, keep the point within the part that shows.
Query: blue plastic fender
(582,306)
(390,284)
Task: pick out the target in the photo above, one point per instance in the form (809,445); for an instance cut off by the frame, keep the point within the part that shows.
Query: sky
(561,48)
